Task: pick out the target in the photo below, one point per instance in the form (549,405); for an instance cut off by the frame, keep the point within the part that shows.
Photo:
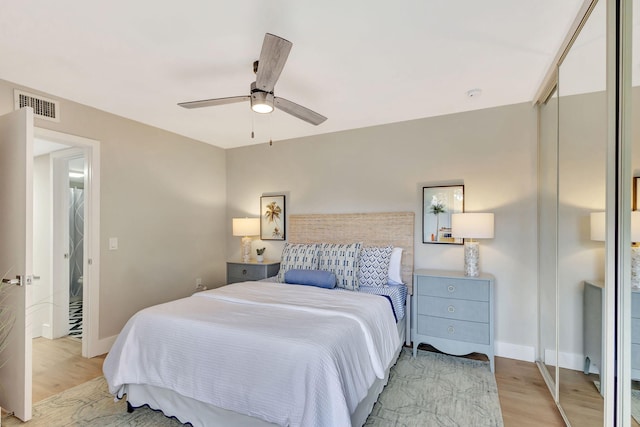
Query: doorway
(67,230)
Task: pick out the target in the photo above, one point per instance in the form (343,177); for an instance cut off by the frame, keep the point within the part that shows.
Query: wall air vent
(43,108)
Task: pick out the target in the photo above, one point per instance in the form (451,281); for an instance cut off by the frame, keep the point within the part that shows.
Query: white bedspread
(291,355)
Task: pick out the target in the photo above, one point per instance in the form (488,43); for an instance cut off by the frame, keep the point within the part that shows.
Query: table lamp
(471,226)
(246,227)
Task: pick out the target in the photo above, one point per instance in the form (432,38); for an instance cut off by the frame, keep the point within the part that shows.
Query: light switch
(113,243)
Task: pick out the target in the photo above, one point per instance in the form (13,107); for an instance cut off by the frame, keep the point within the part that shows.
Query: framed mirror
(438,204)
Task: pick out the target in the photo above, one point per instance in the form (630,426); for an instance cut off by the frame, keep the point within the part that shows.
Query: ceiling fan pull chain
(252,134)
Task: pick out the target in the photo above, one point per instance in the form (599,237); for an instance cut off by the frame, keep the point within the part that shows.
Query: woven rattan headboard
(372,229)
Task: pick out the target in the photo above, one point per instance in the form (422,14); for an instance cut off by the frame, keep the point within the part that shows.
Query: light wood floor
(524,398)
(58,365)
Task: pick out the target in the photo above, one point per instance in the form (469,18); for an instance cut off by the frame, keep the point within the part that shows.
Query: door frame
(91,267)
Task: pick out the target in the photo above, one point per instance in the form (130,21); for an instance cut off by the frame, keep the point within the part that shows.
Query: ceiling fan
(273,56)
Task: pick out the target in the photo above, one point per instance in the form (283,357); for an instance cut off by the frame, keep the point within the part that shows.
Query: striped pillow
(298,257)
(373,268)
(341,260)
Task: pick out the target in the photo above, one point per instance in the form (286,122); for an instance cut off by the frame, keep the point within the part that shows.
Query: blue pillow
(319,278)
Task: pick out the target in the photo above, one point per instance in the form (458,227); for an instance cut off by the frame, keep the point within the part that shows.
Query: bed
(270,353)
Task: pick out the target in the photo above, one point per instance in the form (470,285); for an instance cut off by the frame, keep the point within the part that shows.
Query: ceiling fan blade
(274,54)
(299,111)
(212,102)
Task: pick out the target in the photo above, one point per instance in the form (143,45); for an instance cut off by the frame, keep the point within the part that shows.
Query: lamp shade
(597,225)
(246,226)
(635,226)
(472,225)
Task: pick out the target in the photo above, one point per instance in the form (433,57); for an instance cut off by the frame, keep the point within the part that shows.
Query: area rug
(438,390)
(431,390)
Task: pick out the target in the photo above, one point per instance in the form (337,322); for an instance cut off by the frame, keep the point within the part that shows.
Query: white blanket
(291,355)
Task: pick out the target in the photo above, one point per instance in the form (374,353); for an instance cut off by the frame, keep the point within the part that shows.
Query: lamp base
(245,249)
(471,259)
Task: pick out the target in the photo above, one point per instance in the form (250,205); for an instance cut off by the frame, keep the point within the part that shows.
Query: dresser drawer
(452,329)
(451,287)
(635,356)
(635,304)
(635,331)
(245,272)
(450,308)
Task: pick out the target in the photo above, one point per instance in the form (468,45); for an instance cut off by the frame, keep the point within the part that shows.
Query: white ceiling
(360,63)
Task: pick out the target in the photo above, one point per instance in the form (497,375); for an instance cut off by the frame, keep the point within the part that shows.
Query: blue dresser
(453,312)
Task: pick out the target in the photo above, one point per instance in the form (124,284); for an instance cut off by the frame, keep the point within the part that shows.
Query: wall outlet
(199,285)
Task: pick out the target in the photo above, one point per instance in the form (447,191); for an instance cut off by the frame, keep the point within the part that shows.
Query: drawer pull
(451,288)
(451,330)
(244,272)
(451,309)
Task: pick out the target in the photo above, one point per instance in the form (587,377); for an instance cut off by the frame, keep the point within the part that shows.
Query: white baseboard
(514,351)
(569,361)
(102,346)
(46,331)
(527,353)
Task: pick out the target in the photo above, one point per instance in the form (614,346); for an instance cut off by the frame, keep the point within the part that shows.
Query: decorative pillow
(395,267)
(342,260)
(373,266)
(319,278)
(298,256)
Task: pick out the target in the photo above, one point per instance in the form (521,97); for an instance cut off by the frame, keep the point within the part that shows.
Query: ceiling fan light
(262,108)
(261,102)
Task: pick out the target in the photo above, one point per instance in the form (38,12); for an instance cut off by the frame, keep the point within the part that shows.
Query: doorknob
(15,281)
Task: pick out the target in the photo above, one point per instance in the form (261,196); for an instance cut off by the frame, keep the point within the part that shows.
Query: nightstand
(453,312)
(593,328)
(252,270)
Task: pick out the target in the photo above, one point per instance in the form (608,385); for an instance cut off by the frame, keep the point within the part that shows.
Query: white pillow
(395,267)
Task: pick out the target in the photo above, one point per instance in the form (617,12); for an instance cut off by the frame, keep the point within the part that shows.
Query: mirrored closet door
(572,190)
(548,238)
(632,294)
(582,158)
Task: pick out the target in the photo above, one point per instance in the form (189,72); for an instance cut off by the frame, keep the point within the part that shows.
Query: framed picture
(438,203)
(272,218)
(636,193)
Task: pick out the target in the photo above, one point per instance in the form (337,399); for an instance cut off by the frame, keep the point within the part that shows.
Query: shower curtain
(76,240)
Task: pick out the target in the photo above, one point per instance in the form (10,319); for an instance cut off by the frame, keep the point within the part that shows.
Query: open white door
(16,242)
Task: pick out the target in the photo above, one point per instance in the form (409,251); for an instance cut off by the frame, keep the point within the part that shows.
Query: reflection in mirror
(634,345)
(582,139)
(547,238)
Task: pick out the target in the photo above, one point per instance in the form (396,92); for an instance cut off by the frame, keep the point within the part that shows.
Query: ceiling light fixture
(261,102)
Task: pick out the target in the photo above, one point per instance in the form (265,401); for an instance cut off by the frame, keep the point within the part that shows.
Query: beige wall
(162,195)
(383,168)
